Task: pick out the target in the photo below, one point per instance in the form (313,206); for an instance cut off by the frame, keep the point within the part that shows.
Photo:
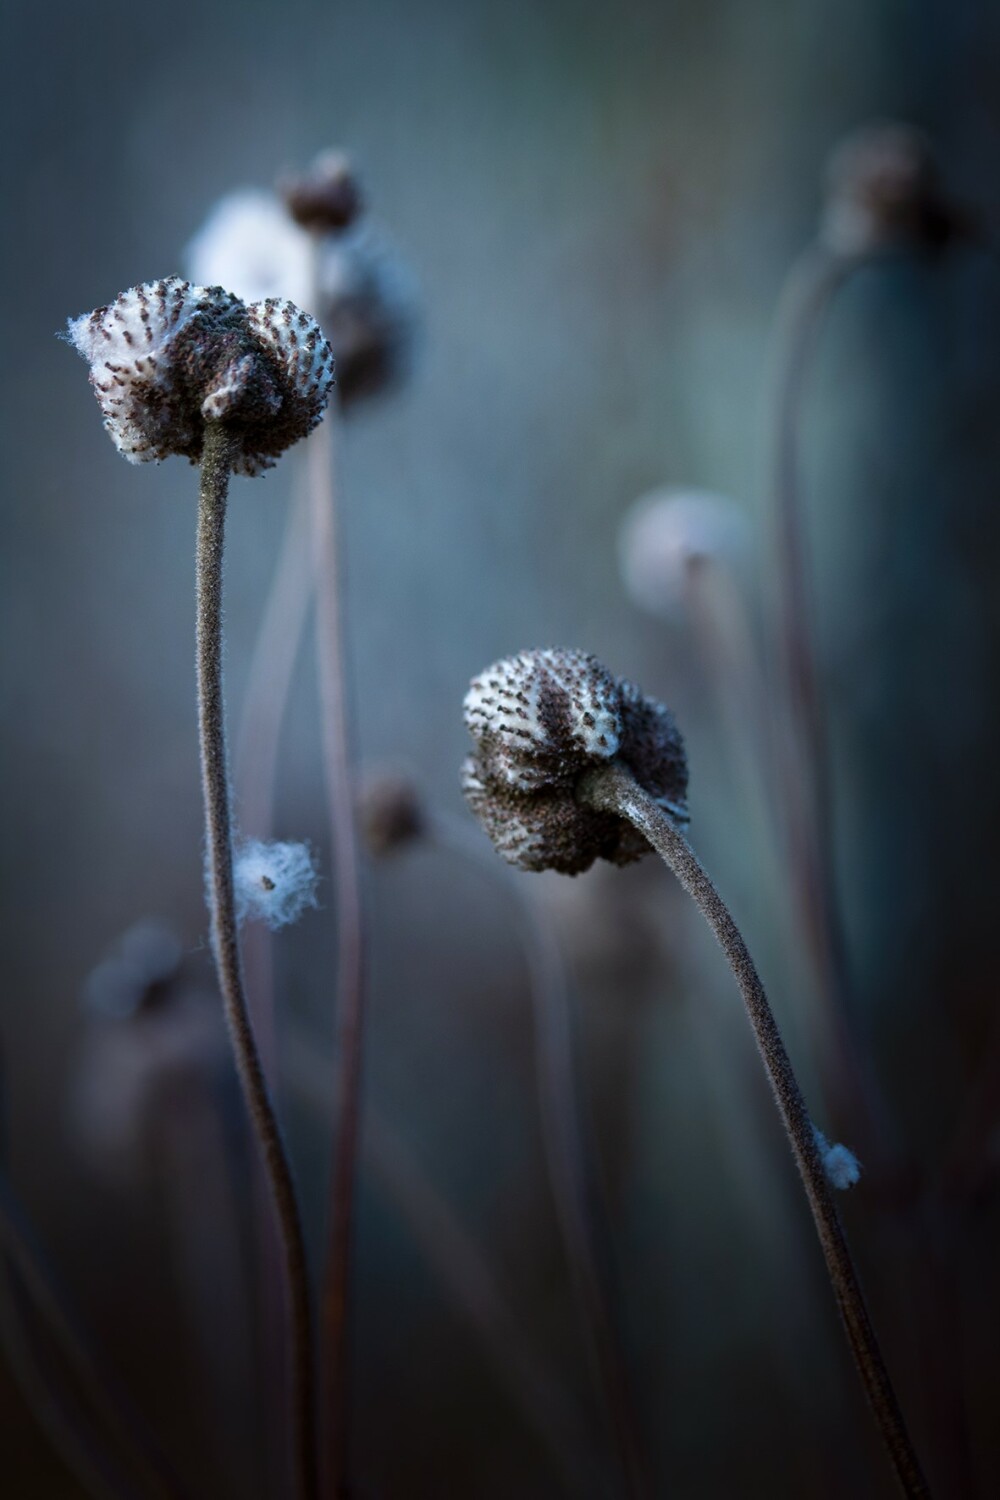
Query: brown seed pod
(168,357)
(541,720)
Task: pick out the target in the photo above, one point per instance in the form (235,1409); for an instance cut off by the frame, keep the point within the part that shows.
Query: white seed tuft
(274,882)
(841,1166)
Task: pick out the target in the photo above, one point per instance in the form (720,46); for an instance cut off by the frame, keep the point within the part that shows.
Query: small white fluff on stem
(841,1166)
(274,882)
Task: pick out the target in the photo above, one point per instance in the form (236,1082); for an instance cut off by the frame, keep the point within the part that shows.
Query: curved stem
(566,1153)
(330,658)
(216,464)
(613,788)
(802,763)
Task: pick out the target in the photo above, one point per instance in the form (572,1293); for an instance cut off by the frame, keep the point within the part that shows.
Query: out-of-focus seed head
(326,197)
(367,303)
(391,813)
(884,189)
(540,721)
(363,296)
(249,243)
(668,535)
(167,357)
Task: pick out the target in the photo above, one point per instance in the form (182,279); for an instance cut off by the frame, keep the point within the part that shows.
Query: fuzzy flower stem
(215,471)
(565,1151)
(804,773)
(613,788)
(330,655)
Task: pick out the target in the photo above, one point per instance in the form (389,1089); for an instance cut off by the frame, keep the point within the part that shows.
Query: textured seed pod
(884,189)
(168,357)
(670,532)
(327,196)
(390,813)
(540,721)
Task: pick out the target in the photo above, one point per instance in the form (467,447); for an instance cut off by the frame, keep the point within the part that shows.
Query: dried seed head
(167,357)
(540,721)
(367,304)
(391,813)
(327,197)
(670,533)
(884,189)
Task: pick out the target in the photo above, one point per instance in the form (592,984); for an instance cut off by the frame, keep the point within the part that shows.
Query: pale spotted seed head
(541,720)
(168,357)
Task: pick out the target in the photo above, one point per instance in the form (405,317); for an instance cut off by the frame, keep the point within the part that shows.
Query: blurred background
(600,206)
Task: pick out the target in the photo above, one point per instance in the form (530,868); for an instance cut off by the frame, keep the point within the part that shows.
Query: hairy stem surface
(613,788)
(215,471)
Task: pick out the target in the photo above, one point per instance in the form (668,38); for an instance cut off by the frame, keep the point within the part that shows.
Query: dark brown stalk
(802,757)
(613,788)
(331,666)
(215,471)
(566,1154)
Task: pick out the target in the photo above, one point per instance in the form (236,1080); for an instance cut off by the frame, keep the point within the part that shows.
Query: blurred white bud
(249,244)
(350,279)
(148,955)
(667,535)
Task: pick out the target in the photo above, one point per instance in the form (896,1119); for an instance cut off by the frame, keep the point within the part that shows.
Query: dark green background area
(600,203)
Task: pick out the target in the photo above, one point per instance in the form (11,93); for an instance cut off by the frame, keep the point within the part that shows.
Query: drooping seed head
(168,357)
(541,720)
(884,189)
(391,814)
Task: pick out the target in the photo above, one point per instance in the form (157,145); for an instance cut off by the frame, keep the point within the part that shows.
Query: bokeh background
(600,204)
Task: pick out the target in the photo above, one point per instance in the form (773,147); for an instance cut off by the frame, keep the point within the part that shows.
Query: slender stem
(330,657)
(566,1153)
(216,464)
(464,1274)
(613,788)
(802,761)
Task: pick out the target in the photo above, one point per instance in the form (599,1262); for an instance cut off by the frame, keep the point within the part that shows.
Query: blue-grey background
(600,204)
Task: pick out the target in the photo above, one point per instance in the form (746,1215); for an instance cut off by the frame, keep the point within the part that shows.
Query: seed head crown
(540,721)
(167,357)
